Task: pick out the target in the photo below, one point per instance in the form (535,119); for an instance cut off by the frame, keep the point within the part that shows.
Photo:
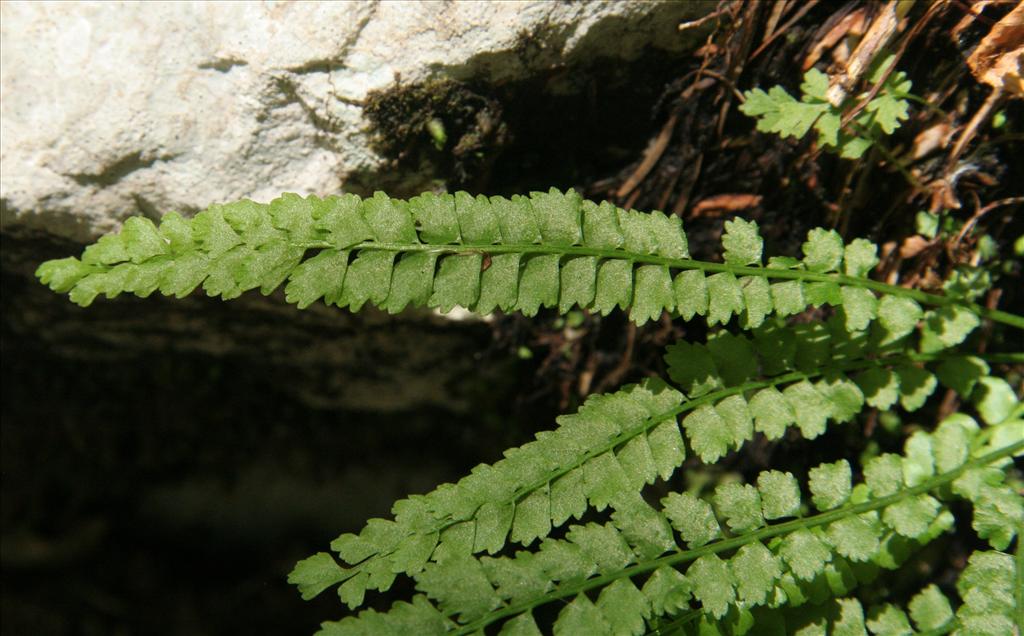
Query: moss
(409,120)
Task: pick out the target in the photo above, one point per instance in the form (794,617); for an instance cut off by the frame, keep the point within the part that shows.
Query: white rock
(113,109)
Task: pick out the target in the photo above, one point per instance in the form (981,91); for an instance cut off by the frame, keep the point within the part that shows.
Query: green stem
(688,263)
(683,556)
(1019,587)
(923,102)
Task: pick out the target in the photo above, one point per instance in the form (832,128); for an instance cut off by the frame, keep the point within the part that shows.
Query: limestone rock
(112,109)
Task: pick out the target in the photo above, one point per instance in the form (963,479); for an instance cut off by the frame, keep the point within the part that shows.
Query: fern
(779,112)
(549,250)
(877,524)
(989,588)
(569,517)
(599,458)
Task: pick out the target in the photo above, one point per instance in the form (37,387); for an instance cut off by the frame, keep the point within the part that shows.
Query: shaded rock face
(166,462)
(158,453)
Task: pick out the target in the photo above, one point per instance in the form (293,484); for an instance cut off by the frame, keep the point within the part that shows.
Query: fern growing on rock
(568,521)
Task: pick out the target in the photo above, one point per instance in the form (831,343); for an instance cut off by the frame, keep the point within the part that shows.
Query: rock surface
(111,110)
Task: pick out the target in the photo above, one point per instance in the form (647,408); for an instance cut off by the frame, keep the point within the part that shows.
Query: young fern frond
(779,112)
(638,570)
(519,254)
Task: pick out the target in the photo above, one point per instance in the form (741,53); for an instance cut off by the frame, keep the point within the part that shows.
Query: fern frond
(711,560)
(600,457)
(615,445)
(819,373)
(988,589)
(637,570)
(520,254)
(779,112)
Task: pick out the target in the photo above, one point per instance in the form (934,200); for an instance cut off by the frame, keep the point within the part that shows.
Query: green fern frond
(636,569)
(779,112)
(520,254)
(748,551)
(989,606)
(604,455)
(623,440)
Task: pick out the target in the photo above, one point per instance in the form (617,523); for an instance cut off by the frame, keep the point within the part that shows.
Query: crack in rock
(117,170)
